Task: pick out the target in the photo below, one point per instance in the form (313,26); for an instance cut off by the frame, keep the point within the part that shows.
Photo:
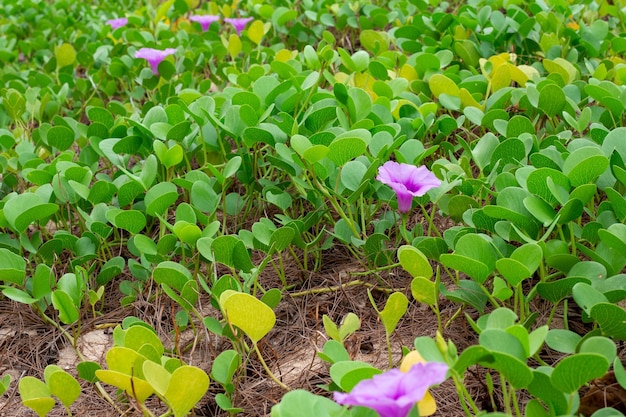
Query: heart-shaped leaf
(414,262)
(574,371)
(187,386)
(248,313)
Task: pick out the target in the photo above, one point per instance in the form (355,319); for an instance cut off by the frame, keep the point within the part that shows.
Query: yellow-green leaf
(256,31)
(234,45)
(163,9)
(248,313)
(65,55)
(440,84)
(501,77)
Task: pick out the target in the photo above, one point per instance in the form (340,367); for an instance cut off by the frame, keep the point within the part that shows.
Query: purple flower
(154,56)
(205,20)
(394,393)
(407,181)
(239,23)
(117,23)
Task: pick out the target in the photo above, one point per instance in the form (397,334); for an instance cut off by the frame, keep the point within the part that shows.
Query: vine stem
(334,288)
(267,369)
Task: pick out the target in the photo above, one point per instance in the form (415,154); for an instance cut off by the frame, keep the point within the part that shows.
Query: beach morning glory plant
(205,20)
(154,56)
(117,23)
(395,393)
(238,23)
(407,181)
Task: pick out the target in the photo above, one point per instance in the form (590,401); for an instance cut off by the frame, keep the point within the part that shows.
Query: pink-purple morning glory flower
(239,23)
(394,393)
(407,181)
(154,56)
(204,20)
(117,23)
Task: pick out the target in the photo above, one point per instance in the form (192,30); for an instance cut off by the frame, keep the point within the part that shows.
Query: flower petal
(407,181)
(117,23)
(204,20)
(394,393)
(154,56)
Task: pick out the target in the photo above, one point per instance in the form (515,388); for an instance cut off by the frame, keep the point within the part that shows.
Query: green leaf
(203,197)
(562,340)
(334,352)
(5,381)
(424,290)
(467,292)
(395,308)
(61,137)
(25,209)
(349,325)
(14,104)
(171,273)
(111,268)
(225,365)
(68,313)
(352,174)
(523,262)
(585,165)
(600,345)
(230,251)
(331,328)
(136,338)
(414,262)
(517,373)
(87,370)
(620,372)
(555,291)
(249,314)
(346,374)
(12,267)
(169,157)
(611,318)
(551,100)
(18,295)
(160,197)
(62,385)
(36,395)
(473,255)
(574,371)
(302,403)
(133,221)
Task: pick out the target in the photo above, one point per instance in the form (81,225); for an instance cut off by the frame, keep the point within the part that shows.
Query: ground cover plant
(313,208)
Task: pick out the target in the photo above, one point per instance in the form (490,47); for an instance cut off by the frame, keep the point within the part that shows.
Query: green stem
(388,340)
(465,397)
(505,395)
(515,403)
(491,299)
(267,369)
(335,288)
(429,218)
(378,269)
(403,230)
